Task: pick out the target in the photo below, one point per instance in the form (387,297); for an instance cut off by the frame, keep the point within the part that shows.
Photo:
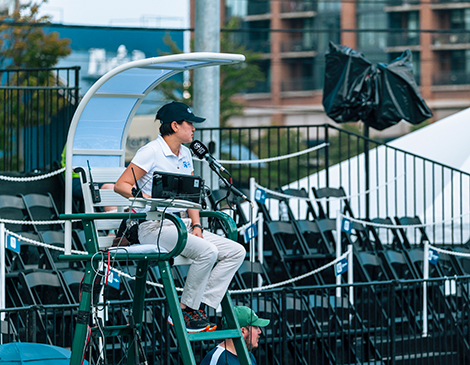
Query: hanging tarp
(400,97)
(347,94)
(380,96)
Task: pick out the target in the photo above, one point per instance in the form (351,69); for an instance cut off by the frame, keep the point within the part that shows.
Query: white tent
(425,173)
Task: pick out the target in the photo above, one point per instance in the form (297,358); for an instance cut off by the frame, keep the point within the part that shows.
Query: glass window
(371,39)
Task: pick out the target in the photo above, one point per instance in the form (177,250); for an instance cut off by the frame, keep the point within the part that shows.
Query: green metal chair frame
(184,338)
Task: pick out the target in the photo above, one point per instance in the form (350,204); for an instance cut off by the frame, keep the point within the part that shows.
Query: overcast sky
(139,13)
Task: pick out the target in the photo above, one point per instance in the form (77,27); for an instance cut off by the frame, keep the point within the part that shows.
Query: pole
(367,168)
(207,79)
(260,245)
(350,274)
(425,288)
(338,250)
(2,278)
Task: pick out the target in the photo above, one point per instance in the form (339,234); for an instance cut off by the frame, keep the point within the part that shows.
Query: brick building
(293,36)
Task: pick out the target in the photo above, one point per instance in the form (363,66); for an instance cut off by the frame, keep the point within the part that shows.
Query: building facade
(293,37)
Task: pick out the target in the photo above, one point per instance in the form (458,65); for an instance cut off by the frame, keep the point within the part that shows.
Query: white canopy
(99,127)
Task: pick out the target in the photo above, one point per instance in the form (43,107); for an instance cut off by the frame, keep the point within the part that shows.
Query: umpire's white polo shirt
(157,156)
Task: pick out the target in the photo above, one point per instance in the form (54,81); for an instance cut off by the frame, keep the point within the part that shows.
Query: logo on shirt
(186,164)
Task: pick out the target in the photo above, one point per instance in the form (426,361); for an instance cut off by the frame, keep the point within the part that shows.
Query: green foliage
(271,143)
(233,78)
(28,46)
(28,97)
(238,77)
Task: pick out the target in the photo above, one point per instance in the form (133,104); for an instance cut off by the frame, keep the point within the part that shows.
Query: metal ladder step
(214,335)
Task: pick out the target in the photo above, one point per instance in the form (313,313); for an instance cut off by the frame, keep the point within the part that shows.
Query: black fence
(309,325)
(380,181)
(36,108)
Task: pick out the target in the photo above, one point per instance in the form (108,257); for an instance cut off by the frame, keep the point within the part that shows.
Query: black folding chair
(392,238)
(41,207)
(328,193)
(419,233)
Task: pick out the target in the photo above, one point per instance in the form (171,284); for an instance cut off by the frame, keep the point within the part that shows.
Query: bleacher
(310,322)
(397,307)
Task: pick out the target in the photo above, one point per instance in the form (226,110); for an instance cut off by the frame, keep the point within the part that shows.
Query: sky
(138,13)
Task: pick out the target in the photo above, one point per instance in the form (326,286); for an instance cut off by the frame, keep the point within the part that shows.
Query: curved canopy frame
(99,128)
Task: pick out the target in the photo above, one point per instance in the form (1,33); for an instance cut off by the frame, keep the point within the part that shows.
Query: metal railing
(298,6)
(451,78)
(409,38)
(262,46)
(403,2)
(36,107)
(384,182)
(298,46)
(308,325)
(300,84)
(449,39)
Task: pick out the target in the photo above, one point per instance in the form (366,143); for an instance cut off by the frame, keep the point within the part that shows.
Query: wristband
(199,226)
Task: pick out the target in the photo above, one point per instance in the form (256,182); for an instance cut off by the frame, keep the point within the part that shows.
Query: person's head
(177,117)
(250,325)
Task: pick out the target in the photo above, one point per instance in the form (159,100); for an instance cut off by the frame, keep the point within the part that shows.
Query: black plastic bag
(400,97)
(348,94)
(379,96)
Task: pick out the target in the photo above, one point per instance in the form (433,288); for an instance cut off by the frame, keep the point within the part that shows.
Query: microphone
(234,190)
(201,151)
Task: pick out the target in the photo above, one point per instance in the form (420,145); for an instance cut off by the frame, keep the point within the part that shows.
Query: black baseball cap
(176,111)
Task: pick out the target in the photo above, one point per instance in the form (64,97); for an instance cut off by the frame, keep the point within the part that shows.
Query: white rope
(42,244)
(281,195)
(452,253)
(423,225)
(346,197)
(32,178)
(248,225)
(38,223)
(271,159)
(290,281)
(121,273)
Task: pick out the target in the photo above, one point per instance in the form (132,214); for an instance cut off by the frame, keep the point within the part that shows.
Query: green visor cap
(247,317)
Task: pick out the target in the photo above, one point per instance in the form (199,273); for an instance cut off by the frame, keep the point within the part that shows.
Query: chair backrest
(41,207)
(394,240)
(13,208)
(419,233)
(73,279)
(462,261)
(109,198)
(57,238)
(247,275)
(371,266)
(360,234)
(45,287)
(398,266)
(339,193)
(31,256)
(301,193)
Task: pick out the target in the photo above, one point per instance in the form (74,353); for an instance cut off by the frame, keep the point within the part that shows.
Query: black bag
(379,95)
(128,233)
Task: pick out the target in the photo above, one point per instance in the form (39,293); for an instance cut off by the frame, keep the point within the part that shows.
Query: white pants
(205,282)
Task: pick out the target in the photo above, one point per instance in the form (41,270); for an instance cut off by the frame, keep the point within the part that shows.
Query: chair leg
(84,311)
(176,314)
(138,304)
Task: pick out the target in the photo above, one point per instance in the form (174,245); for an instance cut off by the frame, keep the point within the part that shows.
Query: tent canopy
(99,127)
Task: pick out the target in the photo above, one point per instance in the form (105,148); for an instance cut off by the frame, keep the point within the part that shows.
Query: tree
(233,78)
(31,99)
(24,44)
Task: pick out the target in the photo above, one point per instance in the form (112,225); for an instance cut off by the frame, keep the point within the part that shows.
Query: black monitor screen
(177,186)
